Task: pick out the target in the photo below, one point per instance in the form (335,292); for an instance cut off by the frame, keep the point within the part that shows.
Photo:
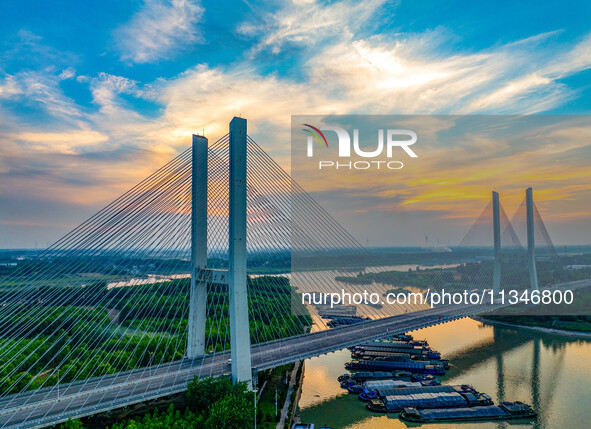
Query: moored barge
(368,390)
(360,377)
(423,367)
(395,403)
(503,411)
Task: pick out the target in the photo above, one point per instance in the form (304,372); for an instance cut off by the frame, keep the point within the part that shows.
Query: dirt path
(285,409)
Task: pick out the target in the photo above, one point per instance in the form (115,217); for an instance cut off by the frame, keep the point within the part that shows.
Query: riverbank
(291,398)
(273,391)
(543,329)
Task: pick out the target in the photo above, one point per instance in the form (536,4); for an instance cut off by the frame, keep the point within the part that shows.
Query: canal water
(550,372)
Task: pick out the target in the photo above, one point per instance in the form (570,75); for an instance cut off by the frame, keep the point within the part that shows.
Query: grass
(275,379)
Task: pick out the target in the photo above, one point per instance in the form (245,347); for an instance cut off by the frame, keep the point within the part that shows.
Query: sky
(96,95)
(434,195)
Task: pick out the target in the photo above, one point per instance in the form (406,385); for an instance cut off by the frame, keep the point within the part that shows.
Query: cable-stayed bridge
(190,268)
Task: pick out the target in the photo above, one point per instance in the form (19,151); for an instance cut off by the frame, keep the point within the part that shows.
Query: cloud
(70,142)
(68,73)
(39,88)
(345,66)
(370,75)
(307,22)
(9,87)
(159,30)
(26,49)
(106,87)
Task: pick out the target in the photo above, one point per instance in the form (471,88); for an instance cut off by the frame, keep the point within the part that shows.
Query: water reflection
(550,372)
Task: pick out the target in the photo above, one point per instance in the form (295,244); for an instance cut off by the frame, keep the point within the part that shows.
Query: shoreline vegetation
(208,404)
(534,323)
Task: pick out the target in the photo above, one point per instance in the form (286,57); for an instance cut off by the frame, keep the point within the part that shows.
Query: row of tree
(151,327)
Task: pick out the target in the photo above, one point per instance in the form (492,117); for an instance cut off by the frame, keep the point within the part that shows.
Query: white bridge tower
(235,277)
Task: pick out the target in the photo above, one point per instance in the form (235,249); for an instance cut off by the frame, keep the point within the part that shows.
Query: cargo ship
(358,384)
(371,391)
(399,347)
(349,380)
(370,387)
(458,388)
(388,344)
(503,411)
(362,377)
(399,357)
(423,367)
(428,400)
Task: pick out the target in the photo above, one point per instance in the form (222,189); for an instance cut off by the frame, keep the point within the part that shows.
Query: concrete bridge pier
(198,295)
(239,328)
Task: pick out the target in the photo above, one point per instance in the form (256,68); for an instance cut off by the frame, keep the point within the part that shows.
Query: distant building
(577,267)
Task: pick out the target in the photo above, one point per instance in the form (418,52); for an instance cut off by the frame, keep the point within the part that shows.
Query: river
(551,372)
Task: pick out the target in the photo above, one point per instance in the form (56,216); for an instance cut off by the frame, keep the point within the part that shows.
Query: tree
(231,412)
(171,419)
(203,393)
(73,424)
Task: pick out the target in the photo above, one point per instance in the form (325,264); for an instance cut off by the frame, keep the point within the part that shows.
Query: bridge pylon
(531,244)
(496,241)
(198,295)
(239,327)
